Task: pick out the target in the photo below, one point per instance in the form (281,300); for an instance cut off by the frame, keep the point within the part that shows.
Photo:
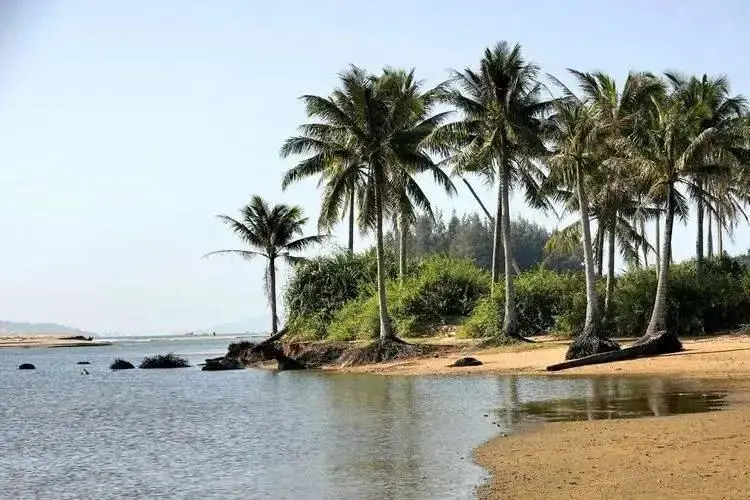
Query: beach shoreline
(29,341)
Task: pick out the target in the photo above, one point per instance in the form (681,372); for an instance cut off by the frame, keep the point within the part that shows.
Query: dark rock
(26,366)
(218,364)
(121,364)
(466,362)
(84,363)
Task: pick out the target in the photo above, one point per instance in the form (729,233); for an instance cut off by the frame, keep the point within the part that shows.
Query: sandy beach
(703,455)
(22,341)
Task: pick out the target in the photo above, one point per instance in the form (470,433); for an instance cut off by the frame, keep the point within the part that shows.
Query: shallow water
(257,434)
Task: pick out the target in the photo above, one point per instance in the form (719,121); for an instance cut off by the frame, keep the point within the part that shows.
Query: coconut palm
(498,137)
(367,127)
(273,233)
(710,97)
(672,149)
(574,130)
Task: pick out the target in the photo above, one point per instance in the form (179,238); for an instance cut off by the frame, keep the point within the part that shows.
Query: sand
(721,357)
(19,341)
(701,456)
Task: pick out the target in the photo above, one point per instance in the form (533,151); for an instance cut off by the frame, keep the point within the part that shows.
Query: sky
(125,127)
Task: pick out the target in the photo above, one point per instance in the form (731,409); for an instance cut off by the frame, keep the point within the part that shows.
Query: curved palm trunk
(351,222)
(658,314)
(589,341)
(610,264)
(498,248)
(699,234)
(599,248)
(710,236)
(719,232)
(645,243)
(272,295)
(657,247)
(510,323)
(402,251)
(386,332)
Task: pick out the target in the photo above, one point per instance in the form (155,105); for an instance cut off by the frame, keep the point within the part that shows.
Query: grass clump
(170,360)
(121,364)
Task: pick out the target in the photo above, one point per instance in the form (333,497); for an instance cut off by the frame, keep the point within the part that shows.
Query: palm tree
(574,130)
(714,106)
(273,233)
(498,137)
(369,128)
(673,149)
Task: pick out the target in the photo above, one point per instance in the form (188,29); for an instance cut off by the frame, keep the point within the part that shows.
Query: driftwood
(649,345)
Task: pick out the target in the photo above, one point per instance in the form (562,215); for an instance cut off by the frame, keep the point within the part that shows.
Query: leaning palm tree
(368,127)
(498,138)
(273,233)
(573,129)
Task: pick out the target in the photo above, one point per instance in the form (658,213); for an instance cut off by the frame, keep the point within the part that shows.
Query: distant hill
(257,324)
(18,328)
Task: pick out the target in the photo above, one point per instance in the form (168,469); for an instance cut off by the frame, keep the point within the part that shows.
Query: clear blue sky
(126,126)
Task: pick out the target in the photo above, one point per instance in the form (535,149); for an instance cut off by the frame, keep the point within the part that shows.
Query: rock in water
(26,366)
(466,362)
(121,364)
(84,363)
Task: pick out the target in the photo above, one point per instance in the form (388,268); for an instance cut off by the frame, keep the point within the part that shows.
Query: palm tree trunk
(386,332)
(710,236)
(720,232)
(272,295)
(645,243)
(657,247)
(498,248)
(593,314)
(351,222)
(599,248)
(401,251)
(699,233)
(658,314)
(510,323)
(610,263)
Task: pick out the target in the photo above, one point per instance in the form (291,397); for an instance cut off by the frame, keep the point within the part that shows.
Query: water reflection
(612,398)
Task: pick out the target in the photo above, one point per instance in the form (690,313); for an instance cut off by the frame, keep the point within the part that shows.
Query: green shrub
(546,302)
(359,319)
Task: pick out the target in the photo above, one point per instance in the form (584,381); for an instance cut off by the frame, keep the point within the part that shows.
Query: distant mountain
(257,324)
(18,328)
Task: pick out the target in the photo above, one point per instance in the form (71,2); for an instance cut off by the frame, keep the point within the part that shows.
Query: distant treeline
(470,236)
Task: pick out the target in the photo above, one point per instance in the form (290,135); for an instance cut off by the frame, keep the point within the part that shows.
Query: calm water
(256,434)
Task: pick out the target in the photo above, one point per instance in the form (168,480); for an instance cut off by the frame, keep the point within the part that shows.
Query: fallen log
(649,345)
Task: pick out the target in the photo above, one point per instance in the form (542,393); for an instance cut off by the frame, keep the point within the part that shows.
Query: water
(256,434)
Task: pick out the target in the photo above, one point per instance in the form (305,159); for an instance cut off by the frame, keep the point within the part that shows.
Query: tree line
(657,147)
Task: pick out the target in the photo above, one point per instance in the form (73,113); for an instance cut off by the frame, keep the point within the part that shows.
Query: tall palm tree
(498,137)
(672,150)
(367,127)
(273,233)
(574,131)
(710,97)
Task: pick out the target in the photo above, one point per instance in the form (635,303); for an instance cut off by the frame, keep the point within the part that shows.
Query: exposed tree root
(589,343)
(502,341)
(382,351)
(649,345)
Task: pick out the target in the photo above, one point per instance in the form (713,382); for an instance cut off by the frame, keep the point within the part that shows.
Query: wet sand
(19,341)
(703,455)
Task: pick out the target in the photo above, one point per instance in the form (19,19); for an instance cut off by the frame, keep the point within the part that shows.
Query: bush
(546,302)
(441,290)
(719,300)
(320,287)
(164,361)
(121,364)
